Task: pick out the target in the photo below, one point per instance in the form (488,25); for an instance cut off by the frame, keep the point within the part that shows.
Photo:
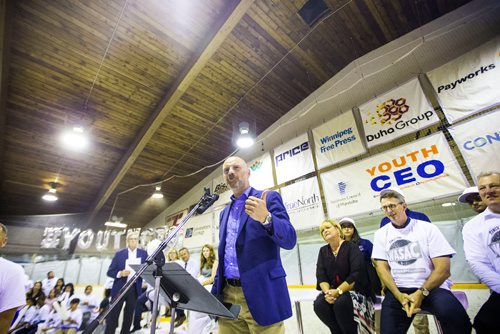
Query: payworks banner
(469,83)
(293,159)
(424,169)
(396,113)
(479,142)
(302,201)
(337,140)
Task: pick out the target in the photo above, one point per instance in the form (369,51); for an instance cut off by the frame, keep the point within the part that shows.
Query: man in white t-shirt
(482,250)
(11,286)
(413,261)
(72,319)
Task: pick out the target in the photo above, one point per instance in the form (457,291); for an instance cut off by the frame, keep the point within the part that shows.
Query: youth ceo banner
(293,159)
(337,140)
(401,111)
(469,83)
(479,142)
(303,203)
(424,169)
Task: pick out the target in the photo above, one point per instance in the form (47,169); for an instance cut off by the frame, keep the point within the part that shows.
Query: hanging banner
(424,169)
(337,140)
(293,159)
(303,203)
(470,83)
(479,141)
(396,113)
(198,231)
(261,172)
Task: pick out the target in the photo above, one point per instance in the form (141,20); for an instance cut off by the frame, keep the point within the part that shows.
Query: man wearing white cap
(482,250)
(412,214)
(471,196)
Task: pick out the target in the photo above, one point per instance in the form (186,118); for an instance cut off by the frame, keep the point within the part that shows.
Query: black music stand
(184,291)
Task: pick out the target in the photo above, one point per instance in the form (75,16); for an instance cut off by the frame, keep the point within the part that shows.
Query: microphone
(207,201)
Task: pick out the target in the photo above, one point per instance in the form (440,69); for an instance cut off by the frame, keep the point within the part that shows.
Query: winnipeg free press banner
(470,83)
(423,169)
(400,111)
(479,141)
(337,140)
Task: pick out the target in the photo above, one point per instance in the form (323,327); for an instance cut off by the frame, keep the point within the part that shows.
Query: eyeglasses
(390,206)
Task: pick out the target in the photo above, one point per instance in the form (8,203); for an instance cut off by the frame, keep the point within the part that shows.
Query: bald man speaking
(253,228)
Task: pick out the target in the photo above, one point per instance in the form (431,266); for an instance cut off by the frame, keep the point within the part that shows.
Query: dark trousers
(139,308)
(487,319)
(130,300)
(339,316)
(440,302)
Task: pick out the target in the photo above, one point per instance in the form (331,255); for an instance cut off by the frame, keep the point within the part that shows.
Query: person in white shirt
(482,250)
(11,286)
(412,258)
(49,283)
(72,319)
(192,267)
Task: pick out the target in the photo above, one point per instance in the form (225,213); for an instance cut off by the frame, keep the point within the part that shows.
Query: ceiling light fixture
(75,139)
(50,196)
(157,194)
(245,139)
(445,205)
(115,224)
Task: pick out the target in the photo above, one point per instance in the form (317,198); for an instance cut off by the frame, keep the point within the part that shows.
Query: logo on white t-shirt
(494,244)
(404,252)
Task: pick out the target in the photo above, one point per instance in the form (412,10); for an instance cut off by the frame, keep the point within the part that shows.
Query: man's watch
(425,292)
(268,220)
(339,291)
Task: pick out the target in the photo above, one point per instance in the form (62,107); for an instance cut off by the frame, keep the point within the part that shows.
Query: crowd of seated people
(59,310)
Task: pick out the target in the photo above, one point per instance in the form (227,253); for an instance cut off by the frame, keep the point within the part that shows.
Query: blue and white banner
(479,141)
(470,83)
(198,231)
(293,159)
(401,111)
(337,140)
(424,170)
(303,203)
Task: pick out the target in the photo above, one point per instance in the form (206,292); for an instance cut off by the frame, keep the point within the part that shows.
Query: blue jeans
(440,302)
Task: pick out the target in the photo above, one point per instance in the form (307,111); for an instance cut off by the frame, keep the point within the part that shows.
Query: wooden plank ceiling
(158,86)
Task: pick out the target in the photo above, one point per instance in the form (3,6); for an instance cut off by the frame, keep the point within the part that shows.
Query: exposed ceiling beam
(5,37)
(215,38)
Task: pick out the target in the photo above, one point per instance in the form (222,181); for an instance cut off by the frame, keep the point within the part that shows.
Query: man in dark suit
(119,270)
(253,228)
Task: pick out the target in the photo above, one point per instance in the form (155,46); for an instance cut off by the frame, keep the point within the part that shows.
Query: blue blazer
(258,252)
(118,264)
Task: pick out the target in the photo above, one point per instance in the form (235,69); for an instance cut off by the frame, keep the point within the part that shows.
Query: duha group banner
(470,83)
(401,111)
(479,141)
(337,140)
(424,169)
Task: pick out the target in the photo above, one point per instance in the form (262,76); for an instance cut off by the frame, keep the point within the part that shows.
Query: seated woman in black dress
(345,303)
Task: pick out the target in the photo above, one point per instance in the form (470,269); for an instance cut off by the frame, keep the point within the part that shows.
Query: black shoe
(179,321)
(135,329)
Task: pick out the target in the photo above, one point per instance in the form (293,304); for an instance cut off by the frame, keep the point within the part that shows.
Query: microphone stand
(204,203)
